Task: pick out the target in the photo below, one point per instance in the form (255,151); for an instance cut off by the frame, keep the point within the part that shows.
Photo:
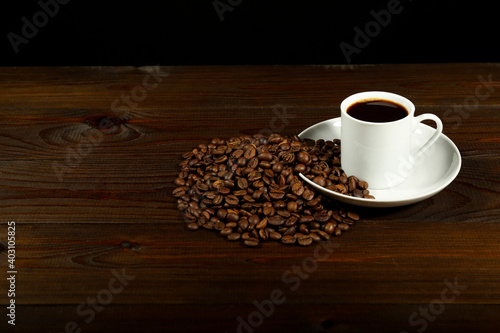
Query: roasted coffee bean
(237,153)
(253,163)
(265,165)
(343,226)
(353,216)
(275,139)
(340,188)
(251,241)
(315,237)
(299,168)
(357,193)
(202,187)
(288,158)
(253,232)
(290,231)
(258,184)
(193,226)
(240,193)
(217,200)
(329,228)
(179,182)
(221,213)
(226,231)
(308,195)
(231,225)
(336,217)
(267,208)
(284,145)
(277,194)
(246,171)
(232,200)
(319,180)
(224,190)
(322,216)
(314,225)
(241,162)
(208,225)
(262,223)
(291,221)
(249,153)
(248,188)
(276,220)
(243,224)
(218,184)
(284,213)
(193,162)
(298,189)
(351,181)
(189,218)
(288,239)
(220,159)
(182,205)
(279,204)
(257,194)
(315,201)
(306,219)
(234,236)
(254,219)
(291,206)
(362,185)
(232,217)
(264,234)
(348,221)
(179,191)
(305,240)
(269,173)
(277,167)
(304,158)
(323,234)
(266,157)
(275,235)
(244,213)
(281,180)
(242,183)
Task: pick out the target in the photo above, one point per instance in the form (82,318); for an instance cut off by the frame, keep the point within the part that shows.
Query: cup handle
(434,137)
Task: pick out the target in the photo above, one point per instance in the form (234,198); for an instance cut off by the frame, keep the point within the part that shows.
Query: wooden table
(88,156)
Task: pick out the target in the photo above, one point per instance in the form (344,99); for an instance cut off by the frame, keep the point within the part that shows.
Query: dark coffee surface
(377,111)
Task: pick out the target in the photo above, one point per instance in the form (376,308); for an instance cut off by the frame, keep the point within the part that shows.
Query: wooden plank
(61,263)
(284,318)
(206,87)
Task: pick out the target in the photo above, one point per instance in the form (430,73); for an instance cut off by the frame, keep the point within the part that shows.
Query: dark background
(186,32)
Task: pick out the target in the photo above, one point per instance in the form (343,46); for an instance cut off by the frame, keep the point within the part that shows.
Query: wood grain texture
(92,196)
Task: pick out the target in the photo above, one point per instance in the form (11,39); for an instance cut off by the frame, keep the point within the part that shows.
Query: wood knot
(127,245)
(104,122)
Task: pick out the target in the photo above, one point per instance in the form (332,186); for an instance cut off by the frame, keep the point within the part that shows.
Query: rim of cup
(377,95)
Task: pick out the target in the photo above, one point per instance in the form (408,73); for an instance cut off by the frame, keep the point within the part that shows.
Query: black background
(186,32)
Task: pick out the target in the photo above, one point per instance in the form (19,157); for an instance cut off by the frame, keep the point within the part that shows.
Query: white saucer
(439,168)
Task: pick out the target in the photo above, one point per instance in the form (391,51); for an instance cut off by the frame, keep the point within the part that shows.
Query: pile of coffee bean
(247,188)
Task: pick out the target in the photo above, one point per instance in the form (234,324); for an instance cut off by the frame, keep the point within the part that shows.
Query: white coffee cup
(375,151)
